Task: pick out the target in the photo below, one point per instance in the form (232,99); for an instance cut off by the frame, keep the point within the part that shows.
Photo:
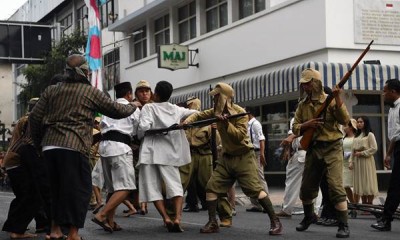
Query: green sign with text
(173,56)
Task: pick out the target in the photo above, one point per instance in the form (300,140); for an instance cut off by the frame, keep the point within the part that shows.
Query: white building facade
(260,47)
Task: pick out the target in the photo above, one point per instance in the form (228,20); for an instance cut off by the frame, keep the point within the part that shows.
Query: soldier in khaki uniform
(237,162)
(326,153)
(199,171)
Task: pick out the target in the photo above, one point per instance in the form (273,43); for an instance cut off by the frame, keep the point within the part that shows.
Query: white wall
(34,10)
(249,43)
(298,32)
(6,96)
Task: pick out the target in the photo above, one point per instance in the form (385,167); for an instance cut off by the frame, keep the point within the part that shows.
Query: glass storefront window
(367,103)
(275,130)
(274,112)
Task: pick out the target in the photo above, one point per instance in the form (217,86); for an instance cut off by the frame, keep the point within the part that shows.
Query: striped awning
(364,77)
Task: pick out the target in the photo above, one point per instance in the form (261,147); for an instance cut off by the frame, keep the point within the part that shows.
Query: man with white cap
(237,162)
(326,152)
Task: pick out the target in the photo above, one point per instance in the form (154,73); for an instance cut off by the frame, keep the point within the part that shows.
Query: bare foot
(130,212)
(22,236)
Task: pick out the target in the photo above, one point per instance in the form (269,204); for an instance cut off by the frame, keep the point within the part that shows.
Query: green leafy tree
(38,76)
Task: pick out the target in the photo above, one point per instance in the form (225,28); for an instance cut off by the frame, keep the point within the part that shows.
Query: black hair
(393,84)
(251,110)
(120,93)
(163,90)
(367,127)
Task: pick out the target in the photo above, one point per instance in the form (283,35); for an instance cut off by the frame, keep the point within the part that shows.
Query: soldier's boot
(309,218)
(276,225)
(343,230)
(212,224)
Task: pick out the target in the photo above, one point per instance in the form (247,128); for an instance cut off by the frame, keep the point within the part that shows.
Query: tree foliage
(38,76)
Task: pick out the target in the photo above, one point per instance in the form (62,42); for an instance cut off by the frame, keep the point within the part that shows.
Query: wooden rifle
(309,133)
(200,123)
(213,140)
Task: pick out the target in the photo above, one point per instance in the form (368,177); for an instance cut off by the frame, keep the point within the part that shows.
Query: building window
(216,14)
(187,22)
(250,7)
(66,24)
(107,14)
(82,20)
(111,69)
(161,31)
(138,43)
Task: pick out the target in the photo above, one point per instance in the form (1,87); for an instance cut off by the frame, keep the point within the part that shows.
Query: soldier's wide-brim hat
(309,74)
(223,88)
(142,84)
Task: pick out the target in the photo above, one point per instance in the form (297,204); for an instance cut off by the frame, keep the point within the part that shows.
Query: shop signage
(173,57)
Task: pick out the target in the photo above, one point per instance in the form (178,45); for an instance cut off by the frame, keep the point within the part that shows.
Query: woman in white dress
(349,131)
(363,162)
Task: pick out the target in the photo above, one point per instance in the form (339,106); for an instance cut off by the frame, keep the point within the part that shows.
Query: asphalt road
(245,226)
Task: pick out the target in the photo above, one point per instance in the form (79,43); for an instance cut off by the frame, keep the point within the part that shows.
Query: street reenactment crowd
(62,155)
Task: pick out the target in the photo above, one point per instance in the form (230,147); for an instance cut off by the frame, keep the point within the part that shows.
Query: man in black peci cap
(116,158)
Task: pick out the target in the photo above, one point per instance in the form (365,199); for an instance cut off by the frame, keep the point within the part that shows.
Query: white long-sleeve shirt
(394,121)
(170,149)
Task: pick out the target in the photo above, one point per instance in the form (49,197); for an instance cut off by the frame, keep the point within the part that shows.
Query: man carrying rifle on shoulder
(237,162)
(325,154)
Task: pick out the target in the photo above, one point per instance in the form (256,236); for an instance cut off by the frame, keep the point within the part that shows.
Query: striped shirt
(65,112)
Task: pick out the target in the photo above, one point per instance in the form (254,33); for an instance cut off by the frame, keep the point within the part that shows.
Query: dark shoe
(276,227)
(330,222)
(226,223)
(210,227)
(254,209)
(382,225)
(343,231)
(321,221)
(306,222)
(191,208)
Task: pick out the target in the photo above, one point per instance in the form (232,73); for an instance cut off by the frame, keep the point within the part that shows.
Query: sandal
(116,227)
(177,228)
(97,209)
(103,224)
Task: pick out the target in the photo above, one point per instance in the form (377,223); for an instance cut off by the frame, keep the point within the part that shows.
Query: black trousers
(393,193)
(71,186)
(27,203)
